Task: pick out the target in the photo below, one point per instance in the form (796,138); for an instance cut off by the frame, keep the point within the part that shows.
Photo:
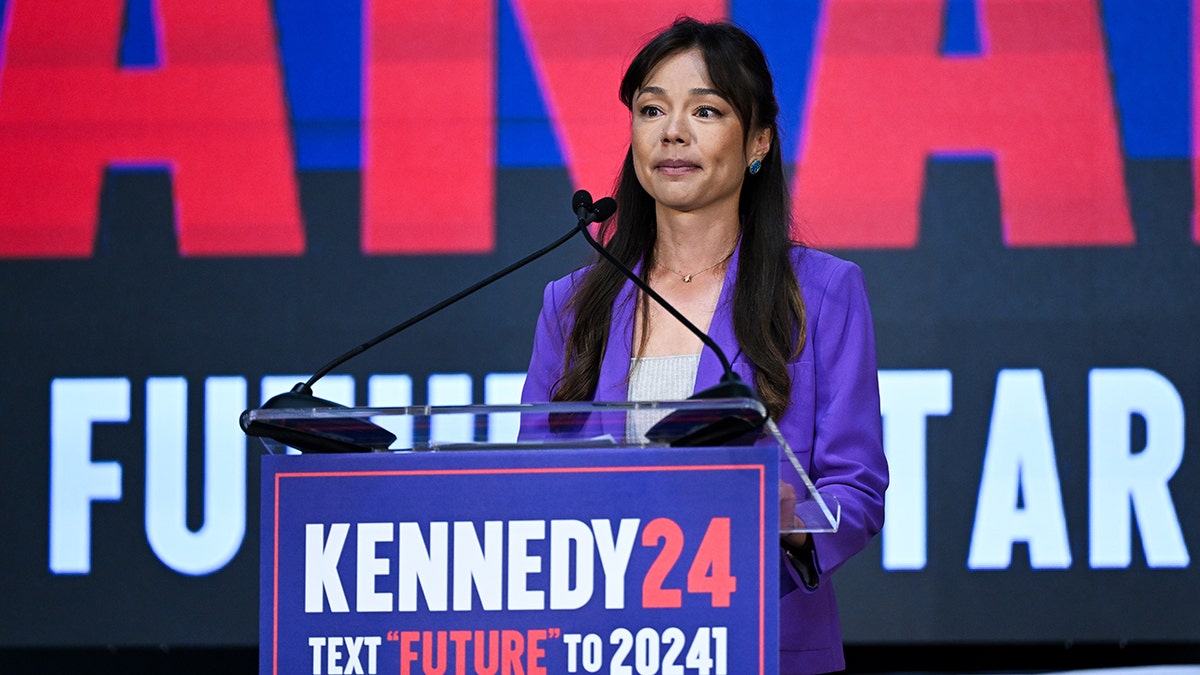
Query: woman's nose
(675,129)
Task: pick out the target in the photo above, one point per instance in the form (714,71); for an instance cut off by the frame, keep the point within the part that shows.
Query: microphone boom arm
(645,288)
(324,370)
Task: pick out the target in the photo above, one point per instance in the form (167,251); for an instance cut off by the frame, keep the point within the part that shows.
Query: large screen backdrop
(202,202)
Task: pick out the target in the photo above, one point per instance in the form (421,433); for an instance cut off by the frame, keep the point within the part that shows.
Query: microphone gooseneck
(585,212)
(729,374)
(685,427)
(357,435)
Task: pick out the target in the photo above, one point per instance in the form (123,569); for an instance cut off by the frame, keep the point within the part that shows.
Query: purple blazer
(833,423)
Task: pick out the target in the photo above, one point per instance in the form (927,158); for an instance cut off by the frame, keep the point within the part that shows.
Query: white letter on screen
(503,389)
(75,480)
(392,391)
(1121,477)
(1019,466)
(451,389)
(907,398)
(211,547)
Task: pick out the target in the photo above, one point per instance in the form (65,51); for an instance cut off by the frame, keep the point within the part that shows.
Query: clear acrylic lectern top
(655,424)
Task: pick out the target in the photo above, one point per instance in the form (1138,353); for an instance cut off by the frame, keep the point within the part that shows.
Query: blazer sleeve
(847,460)
(549,346)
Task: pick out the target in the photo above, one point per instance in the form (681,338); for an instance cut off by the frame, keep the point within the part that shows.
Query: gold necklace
(687,278)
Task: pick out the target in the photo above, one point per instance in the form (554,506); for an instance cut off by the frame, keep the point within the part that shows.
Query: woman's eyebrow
(698,91)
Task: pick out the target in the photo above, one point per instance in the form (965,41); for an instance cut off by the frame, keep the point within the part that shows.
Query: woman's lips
(676,167)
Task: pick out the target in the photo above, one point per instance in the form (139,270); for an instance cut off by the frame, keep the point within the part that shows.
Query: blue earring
(755,166)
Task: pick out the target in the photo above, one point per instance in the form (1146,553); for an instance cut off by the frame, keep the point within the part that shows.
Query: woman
(704,217)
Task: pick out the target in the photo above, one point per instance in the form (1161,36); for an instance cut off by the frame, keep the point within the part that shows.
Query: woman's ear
(760,144)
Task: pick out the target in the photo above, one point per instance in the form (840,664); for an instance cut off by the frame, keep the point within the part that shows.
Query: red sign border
(527,470)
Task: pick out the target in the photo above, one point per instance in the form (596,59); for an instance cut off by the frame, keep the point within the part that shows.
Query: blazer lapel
(720,330)
(614,367)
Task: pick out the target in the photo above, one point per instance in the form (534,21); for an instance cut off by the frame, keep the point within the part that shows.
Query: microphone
(350,434)
(599,212)
(581,203)
(687,427)
(604,208)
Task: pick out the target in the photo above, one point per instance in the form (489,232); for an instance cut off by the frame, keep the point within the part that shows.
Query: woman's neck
(690,241)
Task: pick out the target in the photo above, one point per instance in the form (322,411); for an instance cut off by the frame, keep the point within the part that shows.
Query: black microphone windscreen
(581,200)
(604,208)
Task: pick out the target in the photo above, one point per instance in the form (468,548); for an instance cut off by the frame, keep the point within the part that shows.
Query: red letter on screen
(213,112)
(429,149)
(580,50)
(1039,100)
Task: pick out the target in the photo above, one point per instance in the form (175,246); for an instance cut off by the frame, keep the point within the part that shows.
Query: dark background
(959,301)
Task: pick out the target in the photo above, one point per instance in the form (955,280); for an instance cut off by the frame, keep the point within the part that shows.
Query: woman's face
(688,149)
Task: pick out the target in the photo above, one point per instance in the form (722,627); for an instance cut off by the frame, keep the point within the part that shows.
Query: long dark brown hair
(768,311)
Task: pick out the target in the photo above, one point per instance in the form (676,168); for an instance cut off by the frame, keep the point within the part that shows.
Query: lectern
(525,539)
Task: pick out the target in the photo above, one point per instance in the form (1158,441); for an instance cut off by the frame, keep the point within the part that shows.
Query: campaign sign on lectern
(521,562)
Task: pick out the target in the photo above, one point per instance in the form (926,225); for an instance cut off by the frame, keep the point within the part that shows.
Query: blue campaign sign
(521,562)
